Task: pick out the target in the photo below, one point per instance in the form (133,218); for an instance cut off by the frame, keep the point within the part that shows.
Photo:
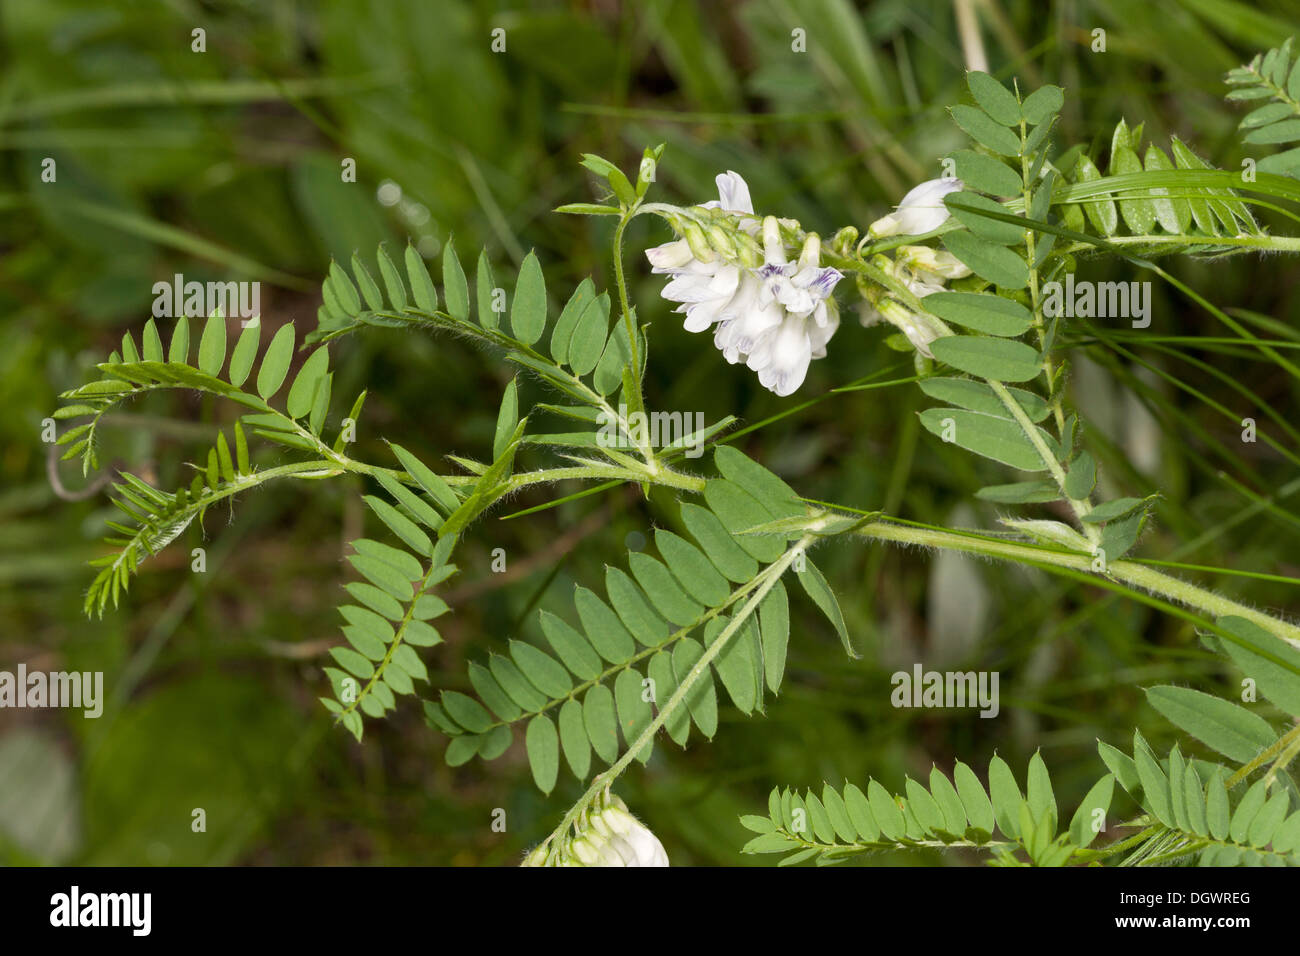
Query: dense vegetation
(226,165)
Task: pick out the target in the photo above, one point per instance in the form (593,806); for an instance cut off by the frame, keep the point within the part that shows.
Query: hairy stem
(1127,572)
(1035,301)
(1274,750)
(623,303)
(1080,507)
(636,398)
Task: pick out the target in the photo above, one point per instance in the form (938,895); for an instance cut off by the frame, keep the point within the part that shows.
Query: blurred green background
(226,164)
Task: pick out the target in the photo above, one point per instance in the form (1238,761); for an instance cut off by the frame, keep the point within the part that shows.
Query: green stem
(447,322)
(1266,243)
(1035,303)
(666,644)
(898,289)
(888,845)
(658,475)
(1274,749)
(1278,92)
(636,400)
(398,640)
(1107,851)
(1128,572)
(1080,507)
(624,304)
(1285,759)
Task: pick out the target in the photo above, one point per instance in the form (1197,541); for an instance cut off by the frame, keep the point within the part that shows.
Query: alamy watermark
(130,910)
(38,689)
(198,299)
(1098,300)
(951,689)
(656,430)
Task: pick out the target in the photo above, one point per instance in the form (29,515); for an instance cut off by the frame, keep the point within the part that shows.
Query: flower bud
(845,242)
(670,255)
(698,241)
(773,247)
(921,211)
(811,255)
(920,328)
(883,262)
(536,857)
(748,252)
(940,262)
(720,240)
(587,852)
(607,835)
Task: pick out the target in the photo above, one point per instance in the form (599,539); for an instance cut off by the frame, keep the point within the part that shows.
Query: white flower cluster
(775,317)
(608,835)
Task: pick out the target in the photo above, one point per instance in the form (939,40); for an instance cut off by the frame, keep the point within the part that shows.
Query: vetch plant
(963,269)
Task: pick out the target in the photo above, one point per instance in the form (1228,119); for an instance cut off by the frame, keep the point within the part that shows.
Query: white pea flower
(678,256)
(924,270)
(791,319)
(921,285)
(775,318)
(609,836)
(938,262)
(704,288)
(742,320)
(733,196)
(671,257)
(922,210)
